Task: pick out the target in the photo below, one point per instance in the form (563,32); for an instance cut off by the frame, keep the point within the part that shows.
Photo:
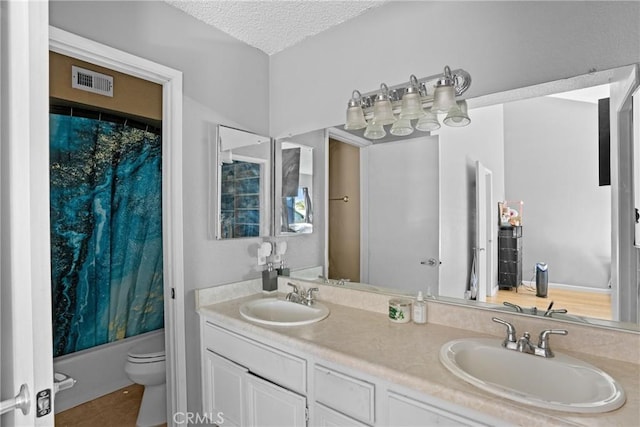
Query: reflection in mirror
(294,188)
(636,164)
(394,240)
(570,222)
(243,182)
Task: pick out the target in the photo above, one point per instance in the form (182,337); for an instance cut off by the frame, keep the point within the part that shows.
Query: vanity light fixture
(411,105)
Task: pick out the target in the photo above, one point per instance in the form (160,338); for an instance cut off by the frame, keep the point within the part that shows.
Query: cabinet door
(269,405)
(223,390)
(404,411)
(351,396)
(326,417)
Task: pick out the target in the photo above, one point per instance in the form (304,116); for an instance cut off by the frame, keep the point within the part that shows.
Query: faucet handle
(310,292)
(295,287)
(551,312)
(543,342)
(514,306)
(511,331)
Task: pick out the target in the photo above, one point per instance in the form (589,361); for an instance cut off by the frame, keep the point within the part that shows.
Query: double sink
(560,383)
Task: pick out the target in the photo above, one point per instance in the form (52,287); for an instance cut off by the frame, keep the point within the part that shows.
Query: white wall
(551,162)
(504,45)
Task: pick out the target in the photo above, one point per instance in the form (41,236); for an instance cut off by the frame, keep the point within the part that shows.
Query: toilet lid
(149,348)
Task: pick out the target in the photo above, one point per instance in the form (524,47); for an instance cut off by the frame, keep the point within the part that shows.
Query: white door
(25,296)
(269,405)
(403,206)
(484,232)
(624,268)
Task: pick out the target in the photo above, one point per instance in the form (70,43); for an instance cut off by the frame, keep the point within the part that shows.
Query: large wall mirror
(293,196)
(539,145)
(241,202)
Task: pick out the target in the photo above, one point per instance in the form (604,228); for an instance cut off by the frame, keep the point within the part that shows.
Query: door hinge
(306,414)
(173,293)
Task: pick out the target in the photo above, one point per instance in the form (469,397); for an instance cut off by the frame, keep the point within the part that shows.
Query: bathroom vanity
(357,368)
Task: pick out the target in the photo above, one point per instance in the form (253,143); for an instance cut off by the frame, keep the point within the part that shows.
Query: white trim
(579,288)
(70,44)
(327,135)
(26,356)
(349,138)
(576,288)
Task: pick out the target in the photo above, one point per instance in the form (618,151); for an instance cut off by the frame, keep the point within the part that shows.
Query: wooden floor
(117,409)
(579,303)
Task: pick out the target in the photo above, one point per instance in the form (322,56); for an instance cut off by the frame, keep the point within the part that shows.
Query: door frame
(27,349)
(69,44)
(484,232)
(348,138)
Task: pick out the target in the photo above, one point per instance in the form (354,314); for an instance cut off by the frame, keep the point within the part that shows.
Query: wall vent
(91,81)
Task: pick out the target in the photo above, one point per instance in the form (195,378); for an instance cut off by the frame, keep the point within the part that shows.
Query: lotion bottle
(420,309)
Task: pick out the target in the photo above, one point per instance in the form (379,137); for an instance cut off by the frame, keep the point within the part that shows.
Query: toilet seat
(148,351)
(134,359)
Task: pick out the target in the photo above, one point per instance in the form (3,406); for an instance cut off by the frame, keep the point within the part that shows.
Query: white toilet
(146,366)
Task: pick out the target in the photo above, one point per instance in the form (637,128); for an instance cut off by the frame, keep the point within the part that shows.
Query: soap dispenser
(269,279)
(282,270)
(420,309)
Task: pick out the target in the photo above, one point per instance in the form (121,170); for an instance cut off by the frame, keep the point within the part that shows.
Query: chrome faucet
(532,310)
(550,313)
(510,341)
(543,348)
(514,306)
(524,345)
(295,295)
(300,296)
(308,296)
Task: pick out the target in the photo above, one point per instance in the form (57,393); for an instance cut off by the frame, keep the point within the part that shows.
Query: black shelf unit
(510,257)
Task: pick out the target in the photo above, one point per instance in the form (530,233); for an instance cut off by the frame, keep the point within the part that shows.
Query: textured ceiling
(273,25)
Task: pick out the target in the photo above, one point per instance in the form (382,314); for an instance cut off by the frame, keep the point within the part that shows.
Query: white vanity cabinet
(248,382)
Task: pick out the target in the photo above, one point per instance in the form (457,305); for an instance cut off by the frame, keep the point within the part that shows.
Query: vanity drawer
(350,396)
(284,369)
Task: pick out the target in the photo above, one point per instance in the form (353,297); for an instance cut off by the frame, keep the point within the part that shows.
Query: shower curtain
(106,232)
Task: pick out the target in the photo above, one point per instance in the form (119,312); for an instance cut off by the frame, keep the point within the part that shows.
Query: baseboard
(576,288)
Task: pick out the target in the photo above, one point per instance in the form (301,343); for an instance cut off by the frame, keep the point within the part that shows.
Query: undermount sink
(279,312)
(561,383)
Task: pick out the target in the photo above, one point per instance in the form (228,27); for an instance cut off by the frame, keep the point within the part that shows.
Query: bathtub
(97,371)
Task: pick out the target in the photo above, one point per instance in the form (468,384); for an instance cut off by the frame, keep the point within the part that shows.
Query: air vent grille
(91,81)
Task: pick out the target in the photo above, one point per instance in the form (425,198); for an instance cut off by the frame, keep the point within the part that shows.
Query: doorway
(395,224)
(71,45)
(105,206)
(344,211)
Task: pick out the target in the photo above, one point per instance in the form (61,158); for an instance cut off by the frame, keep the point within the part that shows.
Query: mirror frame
(215,186)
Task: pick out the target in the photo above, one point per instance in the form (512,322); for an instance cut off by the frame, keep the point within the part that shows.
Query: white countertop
(408,355)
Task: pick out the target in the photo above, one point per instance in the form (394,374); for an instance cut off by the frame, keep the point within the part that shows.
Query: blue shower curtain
(106,232)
